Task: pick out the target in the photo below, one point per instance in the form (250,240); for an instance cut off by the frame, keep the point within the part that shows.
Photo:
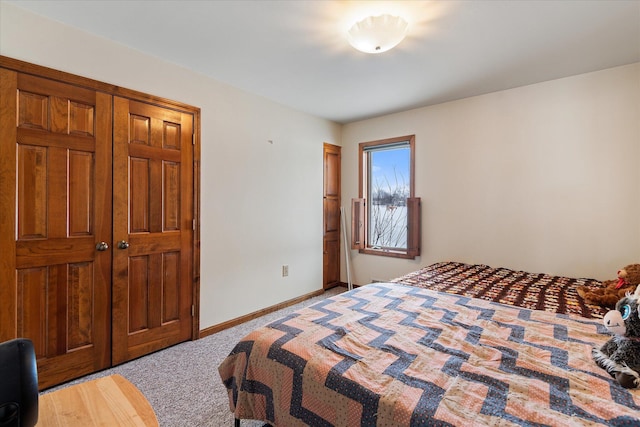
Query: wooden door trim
(195,333)
(8,132)
(11,64)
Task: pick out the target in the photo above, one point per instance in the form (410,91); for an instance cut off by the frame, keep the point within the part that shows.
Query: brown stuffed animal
(613,290)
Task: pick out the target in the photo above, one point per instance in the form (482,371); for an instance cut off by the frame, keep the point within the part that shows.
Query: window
(386,216)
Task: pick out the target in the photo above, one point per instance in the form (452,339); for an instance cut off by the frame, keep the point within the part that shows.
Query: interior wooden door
(331,215)
(55,193)
(152,229)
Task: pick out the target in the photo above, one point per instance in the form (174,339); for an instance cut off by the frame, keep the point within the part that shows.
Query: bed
(556,294)
(388,354)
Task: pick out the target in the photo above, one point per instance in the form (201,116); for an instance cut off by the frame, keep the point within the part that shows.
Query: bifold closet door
(152,228)
(55,223)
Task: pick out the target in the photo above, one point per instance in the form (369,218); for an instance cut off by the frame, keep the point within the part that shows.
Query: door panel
(331,215)
(55,285)
(153,213)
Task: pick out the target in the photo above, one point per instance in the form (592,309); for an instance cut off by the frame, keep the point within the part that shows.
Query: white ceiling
(296,52)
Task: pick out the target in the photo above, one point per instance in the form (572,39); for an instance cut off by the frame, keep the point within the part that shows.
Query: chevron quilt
(393,355)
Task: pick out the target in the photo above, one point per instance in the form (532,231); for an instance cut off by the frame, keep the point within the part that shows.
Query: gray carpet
(182,382)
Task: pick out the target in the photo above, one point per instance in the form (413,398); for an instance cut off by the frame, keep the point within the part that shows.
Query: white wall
(544,178)
(261,202)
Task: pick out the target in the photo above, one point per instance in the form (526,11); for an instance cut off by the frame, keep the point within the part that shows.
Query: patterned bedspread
(535,291)
(394,355)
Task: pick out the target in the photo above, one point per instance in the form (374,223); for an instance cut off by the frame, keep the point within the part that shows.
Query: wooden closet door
(331,216)
(153,228)
(55,193)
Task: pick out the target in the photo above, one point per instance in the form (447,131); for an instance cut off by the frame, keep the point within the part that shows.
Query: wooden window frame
(359,212)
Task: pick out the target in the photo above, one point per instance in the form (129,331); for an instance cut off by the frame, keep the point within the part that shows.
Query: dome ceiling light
(377,34)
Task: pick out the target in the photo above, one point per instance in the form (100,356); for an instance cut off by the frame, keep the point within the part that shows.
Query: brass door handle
(123,244)
(102,246)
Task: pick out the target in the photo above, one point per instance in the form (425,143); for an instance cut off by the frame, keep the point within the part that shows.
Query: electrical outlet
(285,270)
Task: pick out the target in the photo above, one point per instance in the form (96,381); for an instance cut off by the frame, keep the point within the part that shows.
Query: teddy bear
(620,356)
(613,290)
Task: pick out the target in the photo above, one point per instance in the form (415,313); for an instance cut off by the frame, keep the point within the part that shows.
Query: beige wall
(261,202)
(544,178)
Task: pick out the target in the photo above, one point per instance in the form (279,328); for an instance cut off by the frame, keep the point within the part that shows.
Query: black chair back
(18,384)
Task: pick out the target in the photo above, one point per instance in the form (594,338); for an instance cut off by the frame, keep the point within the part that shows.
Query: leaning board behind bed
(545,292)
(393,355)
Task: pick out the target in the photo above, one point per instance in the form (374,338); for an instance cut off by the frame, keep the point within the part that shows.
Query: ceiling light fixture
(377,34)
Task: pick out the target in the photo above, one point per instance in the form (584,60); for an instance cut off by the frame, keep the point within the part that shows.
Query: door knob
(123,244)
(102,246)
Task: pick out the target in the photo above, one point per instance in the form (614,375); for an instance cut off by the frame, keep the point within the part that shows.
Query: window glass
(388,191)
